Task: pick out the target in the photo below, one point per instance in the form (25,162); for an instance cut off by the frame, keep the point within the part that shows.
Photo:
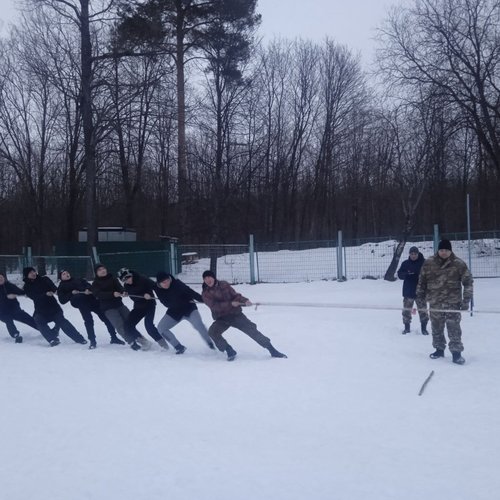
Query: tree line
(170,117)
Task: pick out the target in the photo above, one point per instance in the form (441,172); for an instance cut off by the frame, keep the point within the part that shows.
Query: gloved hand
(464,306)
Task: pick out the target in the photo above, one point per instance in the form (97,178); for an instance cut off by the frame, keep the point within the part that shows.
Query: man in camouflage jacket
(446,283)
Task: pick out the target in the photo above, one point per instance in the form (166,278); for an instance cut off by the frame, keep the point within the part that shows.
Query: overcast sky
(350,22)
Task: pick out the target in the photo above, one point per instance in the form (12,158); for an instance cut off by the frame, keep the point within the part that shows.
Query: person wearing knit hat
(141,290)
(77,292)
(10,309)
(446,284)
(409,272)
(109,292)
(179,299)
(445,245)
(41,290)
(225,304)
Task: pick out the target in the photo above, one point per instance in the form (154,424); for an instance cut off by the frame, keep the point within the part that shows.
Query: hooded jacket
(103,289)
(219,297)
(65,293)
(140,286)
(409,272)
(9,306)
(178,298)
(45,305)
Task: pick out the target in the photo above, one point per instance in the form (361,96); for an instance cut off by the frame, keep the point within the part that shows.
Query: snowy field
(340,419)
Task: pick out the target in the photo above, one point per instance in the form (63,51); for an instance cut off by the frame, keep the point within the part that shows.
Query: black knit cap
(27,270)
(98,266)
(413,250)
(162,276)
(444,245)
(209,273)
(60,273)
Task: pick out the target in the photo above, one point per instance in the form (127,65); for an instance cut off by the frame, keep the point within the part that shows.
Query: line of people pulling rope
(104,298)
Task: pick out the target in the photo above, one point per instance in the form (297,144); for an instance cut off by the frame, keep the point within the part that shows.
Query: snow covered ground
(340,419)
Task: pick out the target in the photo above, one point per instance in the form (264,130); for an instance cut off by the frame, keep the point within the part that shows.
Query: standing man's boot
(423,324)
(407,329)
(457,358)
(439,353)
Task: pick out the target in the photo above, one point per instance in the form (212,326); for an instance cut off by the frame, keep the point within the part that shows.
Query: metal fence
(318,260)
(272,263)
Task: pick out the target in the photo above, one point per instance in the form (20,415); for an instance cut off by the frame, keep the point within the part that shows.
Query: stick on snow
(425,383)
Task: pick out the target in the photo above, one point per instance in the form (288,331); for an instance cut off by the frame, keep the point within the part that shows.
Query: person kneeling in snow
(225,304)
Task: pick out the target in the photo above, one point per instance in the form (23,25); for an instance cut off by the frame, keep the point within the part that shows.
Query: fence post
(436,237)
(29,257)
(340,261)
(95,256)
(251,255)
(173,259)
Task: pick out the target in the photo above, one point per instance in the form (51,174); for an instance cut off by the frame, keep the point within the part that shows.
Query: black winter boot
(93,344)
(275,353)
(457,358)
(18,339)
(54,342)
(135,346)
(180,349)
(116,340)
(439,353)
(423,324)
(231,353)
(407,329)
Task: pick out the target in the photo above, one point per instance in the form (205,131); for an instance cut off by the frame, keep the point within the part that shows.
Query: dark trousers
(42,323)
(86,312)
(148,313)
(19,315)
(242,323)
(118,317)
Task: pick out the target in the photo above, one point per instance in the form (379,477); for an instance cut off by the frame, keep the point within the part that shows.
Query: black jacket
(9,306)
(65,293)
(409,272)
(103,290)
(36,290)
(140,286)
(177,298)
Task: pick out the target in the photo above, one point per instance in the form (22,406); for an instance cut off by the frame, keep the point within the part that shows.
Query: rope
(367,306)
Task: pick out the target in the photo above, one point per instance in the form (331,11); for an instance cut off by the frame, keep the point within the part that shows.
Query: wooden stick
(425,383)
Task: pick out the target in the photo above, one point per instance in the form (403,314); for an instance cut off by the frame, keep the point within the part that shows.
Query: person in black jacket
(140,289)
(409,272)
(41,290)
(77,292)
(10,309)
(179,300)
(109,292)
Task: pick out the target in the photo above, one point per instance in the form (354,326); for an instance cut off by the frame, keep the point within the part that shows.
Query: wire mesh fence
(272,263)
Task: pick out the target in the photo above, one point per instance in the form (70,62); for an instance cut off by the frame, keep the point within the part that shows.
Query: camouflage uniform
(440,283)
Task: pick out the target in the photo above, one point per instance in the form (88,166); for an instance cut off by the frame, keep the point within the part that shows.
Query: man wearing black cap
(42,291)
(77,292)
(409,272)
(179,299)
(109,292)
(225,304)
(446,283)
(10,309)
(140,290)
